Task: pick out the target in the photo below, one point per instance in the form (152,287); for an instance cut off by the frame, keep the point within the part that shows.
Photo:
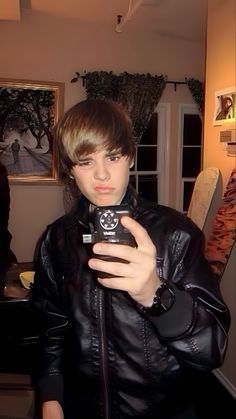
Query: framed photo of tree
(29,111)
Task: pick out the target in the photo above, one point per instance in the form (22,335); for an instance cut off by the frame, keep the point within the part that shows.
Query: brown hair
(91,125)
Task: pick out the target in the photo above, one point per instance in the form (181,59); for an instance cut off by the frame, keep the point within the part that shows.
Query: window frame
(162,150)
(185,109)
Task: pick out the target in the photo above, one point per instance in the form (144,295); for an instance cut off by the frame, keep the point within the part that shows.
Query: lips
(103,189)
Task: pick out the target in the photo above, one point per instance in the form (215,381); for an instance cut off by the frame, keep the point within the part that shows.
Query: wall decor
(29,111)
(225,106)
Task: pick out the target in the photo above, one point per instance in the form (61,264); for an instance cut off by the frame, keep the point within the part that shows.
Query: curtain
(197,90)
(139,94)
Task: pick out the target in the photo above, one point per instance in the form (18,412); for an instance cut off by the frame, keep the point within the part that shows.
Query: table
(19,324)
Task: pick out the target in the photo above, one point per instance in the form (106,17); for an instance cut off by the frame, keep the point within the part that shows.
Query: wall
(43,47)
(221,74)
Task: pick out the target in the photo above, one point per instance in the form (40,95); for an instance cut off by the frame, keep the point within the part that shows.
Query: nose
(101,172)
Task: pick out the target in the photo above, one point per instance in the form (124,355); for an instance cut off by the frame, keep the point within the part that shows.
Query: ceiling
(180,18)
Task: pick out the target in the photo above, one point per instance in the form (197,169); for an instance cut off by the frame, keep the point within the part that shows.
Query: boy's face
(102,176)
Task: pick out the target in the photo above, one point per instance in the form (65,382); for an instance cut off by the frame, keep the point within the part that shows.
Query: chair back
(203,192)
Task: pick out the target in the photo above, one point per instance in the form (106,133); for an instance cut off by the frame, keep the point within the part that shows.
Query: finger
(114,283)
(118,281)
(116,250)
(140,234)
(118,269)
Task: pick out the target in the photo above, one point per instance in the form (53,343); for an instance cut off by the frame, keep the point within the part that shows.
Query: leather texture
(118,362)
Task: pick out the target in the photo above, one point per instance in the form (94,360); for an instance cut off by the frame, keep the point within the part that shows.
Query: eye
(84,163)
(114,157)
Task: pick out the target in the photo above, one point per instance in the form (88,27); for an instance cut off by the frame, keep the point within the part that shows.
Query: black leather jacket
(7,257)
(116,361)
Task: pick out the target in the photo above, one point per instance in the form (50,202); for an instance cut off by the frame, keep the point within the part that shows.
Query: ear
(131,164)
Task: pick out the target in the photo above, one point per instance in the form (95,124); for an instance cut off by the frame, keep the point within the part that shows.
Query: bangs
(89,141)
(93,125)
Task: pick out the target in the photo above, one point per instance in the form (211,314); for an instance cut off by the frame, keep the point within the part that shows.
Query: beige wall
(42,47)
(221,74)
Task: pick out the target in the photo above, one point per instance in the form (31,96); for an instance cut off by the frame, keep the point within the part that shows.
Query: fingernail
(97,247)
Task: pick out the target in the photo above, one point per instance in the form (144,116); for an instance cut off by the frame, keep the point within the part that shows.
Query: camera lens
(109,220)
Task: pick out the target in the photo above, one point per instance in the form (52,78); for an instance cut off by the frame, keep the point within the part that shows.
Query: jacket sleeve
(195,327)
(47,299)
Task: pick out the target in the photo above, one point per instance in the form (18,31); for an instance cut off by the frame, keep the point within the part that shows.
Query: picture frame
(29,112)
(225,106)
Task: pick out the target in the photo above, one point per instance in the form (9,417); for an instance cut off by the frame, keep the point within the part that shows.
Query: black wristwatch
(163,300)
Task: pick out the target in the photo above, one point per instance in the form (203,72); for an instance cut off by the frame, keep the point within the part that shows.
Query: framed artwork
(29,111)
(225,106)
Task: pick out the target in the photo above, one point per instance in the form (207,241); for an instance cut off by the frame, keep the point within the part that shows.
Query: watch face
(163,300)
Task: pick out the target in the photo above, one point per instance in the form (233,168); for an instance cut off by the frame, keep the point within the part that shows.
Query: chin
(104,202)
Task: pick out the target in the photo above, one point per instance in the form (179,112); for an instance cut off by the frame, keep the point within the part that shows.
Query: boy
(124,343)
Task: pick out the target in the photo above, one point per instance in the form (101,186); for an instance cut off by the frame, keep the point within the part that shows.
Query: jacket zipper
(103,352)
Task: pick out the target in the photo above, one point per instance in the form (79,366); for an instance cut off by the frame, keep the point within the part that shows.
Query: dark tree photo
(28,115)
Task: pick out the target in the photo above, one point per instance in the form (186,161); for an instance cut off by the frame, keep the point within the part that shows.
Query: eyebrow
(108,153)
(113,153)
(84,158)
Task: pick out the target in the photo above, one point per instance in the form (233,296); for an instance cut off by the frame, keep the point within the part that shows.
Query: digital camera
(106,227)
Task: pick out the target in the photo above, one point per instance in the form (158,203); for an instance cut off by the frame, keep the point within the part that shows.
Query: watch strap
(163,299)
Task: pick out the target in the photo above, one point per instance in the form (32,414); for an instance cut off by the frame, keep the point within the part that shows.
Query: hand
(52,409)
(139,276)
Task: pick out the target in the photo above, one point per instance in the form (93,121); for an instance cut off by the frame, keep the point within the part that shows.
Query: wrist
(146,298)
(163,299)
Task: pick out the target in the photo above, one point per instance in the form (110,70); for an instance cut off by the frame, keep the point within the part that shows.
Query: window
(144,176)
(190,158)
(147,175)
